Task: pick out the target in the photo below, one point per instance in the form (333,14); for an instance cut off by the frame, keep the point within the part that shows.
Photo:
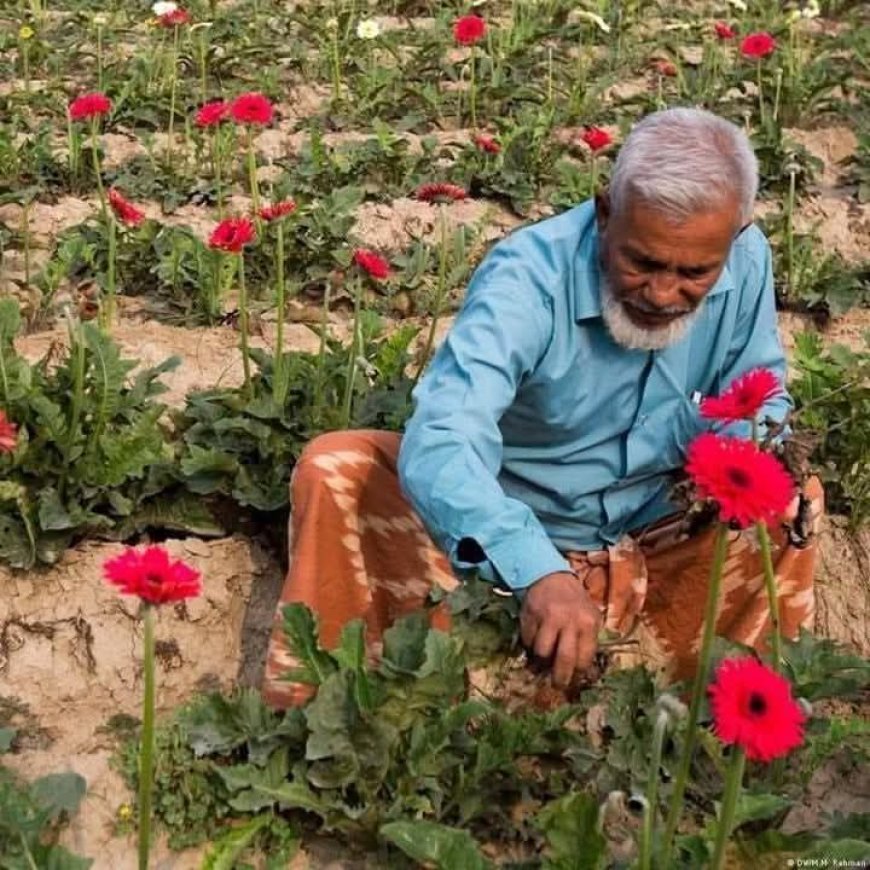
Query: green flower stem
(214,297)
(321,353)
(74,149)
(243,325)
(472,90)
(336,66)
(172,97)
(760,93)
(217,166)
(772,596)
(77,365)
(99,57)
(279,387)
(95,155)
(252,172)
(733,781)
(146,748)
(109,314)
(352,354)
(440,293)
(652,789)
(25,63)
(789,233)
(25,237)
(203,64)
(698,687)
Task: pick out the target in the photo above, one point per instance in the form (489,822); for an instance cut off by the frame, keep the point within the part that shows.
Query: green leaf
(230,845)
(53,516)
(348,745)
(300,629)
(176,511)
(431,843)
(405,644)
(60,792)
(839,850)
(570,825)
(7,736)
(756,807)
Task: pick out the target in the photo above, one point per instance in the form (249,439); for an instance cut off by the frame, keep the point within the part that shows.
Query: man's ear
(602,209)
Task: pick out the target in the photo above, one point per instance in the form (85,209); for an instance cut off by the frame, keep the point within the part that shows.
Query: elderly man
(550,426)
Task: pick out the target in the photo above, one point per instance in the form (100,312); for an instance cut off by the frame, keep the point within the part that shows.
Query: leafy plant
(31,815)
(246,449)
(90,448)
(401,752)
(833,401)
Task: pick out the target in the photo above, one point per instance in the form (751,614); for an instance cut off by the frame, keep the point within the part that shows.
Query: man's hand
(559,619)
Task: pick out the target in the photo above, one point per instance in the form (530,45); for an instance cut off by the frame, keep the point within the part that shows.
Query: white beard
(628,334)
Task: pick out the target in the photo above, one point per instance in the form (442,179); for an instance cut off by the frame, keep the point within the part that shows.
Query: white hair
(684,161)
(627,334)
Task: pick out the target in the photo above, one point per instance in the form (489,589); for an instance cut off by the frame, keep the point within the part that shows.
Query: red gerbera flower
(251,108)
(176,18)
(758,45)
(665,68)
(487,143)
(88,106)
(232,234)
(749,485)
(152,576)
(753,708)
(124,210)
(440,191)
(212,113)
(596,138)
(371,263)
(277,210)
(724,30)
(8,434)
(469,29)
(744,397)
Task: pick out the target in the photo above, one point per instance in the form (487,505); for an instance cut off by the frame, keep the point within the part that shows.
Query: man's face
(656,273)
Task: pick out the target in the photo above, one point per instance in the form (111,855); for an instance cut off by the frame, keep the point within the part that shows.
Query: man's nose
(663,290)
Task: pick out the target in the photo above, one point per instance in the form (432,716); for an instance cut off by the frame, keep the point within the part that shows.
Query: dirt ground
(70,646)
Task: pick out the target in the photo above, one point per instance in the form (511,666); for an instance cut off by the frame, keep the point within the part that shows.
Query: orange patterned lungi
(359,550)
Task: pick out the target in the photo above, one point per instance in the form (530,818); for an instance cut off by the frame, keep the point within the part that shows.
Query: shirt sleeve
(451,452)
(756,336)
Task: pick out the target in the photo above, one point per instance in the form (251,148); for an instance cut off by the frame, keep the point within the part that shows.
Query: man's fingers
(566,659)
(528,627)
(545,640)
(587,644)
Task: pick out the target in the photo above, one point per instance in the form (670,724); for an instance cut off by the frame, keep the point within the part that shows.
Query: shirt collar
(587,275)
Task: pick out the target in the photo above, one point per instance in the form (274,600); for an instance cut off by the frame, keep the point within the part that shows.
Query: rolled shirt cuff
(520,561)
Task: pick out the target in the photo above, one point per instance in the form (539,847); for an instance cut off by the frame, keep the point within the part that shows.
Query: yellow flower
(25,32)
(125,812)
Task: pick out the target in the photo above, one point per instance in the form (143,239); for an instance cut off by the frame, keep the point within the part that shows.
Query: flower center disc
(738,477)
(757,704)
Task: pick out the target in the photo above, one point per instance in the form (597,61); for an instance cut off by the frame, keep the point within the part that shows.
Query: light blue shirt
(533,432)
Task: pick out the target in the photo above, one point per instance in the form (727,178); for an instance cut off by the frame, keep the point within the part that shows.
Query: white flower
(738,4)
(164,7)
(101,19)
(811,10)
(597,20)
(332,24)
(368,29)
